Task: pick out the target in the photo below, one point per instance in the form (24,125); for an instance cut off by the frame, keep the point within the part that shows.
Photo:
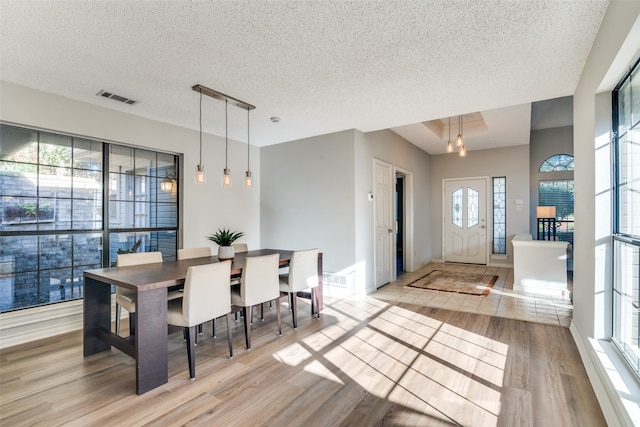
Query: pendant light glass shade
(248,180)
(462,152)
(200,177)
(226,178)
(459,141)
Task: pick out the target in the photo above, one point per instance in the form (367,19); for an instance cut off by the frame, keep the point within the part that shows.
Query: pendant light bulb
(462,152)
(248,180)
(459,141)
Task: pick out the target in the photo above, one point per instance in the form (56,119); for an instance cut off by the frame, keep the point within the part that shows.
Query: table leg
(152,346)
(318,289)
(96,315)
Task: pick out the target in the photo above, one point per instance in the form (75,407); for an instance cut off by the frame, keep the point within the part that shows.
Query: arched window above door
(556,163)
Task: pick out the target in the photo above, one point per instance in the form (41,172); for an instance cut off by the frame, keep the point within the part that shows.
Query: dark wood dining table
(149,345)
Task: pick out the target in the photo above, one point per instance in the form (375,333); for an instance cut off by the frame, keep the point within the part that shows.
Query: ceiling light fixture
(248,181)
(226,177)
(449,143)
(459,139)
(200,176)
(462,152)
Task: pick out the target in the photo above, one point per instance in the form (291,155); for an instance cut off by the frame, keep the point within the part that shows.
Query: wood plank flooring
(366,362)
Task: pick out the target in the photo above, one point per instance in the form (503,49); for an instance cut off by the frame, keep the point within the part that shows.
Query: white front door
(384,235)
(465,221)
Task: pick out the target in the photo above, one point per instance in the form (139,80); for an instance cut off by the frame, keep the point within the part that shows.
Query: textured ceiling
(321,66)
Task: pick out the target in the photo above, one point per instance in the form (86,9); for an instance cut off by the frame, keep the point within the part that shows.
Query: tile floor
(552,308)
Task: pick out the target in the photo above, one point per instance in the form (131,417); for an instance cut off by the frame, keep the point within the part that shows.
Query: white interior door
(384,234)
(465,221)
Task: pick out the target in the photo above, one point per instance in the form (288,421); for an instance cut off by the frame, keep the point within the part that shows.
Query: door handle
(390,231)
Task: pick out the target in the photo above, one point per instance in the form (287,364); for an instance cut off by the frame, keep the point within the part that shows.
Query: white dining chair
(198,252)
(240,247)
(258,284)
(126,298)
(207,296)
(302,276)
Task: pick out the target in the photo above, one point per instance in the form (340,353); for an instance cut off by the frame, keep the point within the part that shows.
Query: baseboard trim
(601,365)
(31,324)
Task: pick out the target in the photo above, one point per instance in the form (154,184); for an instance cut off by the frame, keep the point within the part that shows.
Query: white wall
(511,162)
(616,45)
(307,197)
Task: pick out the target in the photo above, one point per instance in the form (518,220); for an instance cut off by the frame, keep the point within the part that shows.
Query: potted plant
(225,238)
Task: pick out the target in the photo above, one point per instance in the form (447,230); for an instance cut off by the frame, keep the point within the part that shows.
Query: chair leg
(315,303)
(200,328)
(229,336)
(191,351)
(213,327)
(279,317)
(118,314)
(294,305)
(247,328)
(132,323)
(262,312)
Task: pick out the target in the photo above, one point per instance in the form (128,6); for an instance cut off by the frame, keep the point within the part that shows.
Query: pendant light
(449,143)
(248,180)
(200,176)
(461,152)
(459,139)
(226,177)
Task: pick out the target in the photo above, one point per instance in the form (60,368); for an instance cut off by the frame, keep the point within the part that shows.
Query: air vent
(115,97)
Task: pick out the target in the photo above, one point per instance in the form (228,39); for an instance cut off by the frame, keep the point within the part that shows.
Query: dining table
(151,282)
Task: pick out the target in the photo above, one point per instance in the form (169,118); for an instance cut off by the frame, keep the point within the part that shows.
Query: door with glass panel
(465,221)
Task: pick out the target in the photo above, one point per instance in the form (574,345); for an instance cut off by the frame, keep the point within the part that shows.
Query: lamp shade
(546,212)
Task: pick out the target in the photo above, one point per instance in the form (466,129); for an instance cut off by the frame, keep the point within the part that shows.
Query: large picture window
(626,249)
(53,205)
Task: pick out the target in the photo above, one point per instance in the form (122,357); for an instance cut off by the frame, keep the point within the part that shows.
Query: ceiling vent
(116,97)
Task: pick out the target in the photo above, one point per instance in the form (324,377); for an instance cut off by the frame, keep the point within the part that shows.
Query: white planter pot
(225,252)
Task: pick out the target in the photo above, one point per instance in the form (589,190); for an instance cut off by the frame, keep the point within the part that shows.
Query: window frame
(35,293)
(620,238)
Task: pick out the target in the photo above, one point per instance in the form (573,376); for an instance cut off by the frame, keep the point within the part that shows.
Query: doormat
(452,281)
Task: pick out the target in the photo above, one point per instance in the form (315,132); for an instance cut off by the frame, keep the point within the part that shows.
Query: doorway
(399,223)
(393,222)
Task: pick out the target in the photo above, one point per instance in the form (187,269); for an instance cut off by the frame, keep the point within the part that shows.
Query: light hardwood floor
(375,360)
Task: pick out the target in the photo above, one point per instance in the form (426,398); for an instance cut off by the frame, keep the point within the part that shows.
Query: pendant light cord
(248,141)
(200,128)
(226,133)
